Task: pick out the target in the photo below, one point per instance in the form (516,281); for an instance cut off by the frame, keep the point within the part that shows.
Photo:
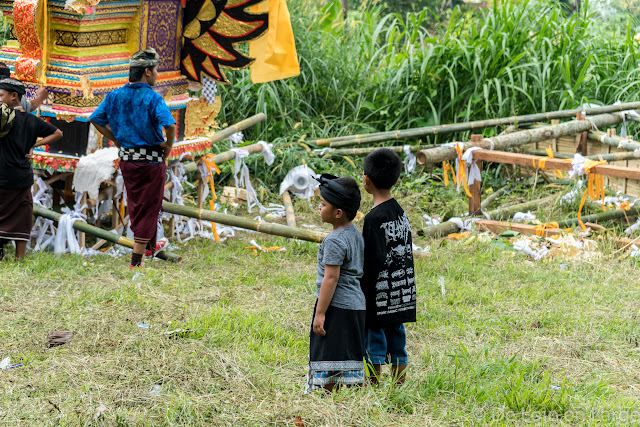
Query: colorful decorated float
(80,49)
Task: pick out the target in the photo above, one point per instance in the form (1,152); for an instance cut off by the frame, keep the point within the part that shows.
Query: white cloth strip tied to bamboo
(177,178)
(300,181)
(236,138)
(323,151)
(577,166)
(244,179)
(463,224)
(429,221)
(409,159)
(66,238)
(472,169)
(43,230)
(522,216)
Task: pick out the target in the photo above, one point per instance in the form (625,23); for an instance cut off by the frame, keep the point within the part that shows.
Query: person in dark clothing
(388,281)
(19,133)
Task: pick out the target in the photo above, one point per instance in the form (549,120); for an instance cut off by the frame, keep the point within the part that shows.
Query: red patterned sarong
(145,188)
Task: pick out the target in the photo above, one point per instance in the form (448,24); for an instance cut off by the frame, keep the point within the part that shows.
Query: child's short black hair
(352,188)
(383,168)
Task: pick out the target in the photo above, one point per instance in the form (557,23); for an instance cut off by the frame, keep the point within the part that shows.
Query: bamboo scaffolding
(363,151)
(249,224)
(225,156)
(99,232)
(523,137)
(288,209)
(370,138)
(499,214)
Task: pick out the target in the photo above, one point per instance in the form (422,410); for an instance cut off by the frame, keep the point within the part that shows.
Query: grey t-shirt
(344,247)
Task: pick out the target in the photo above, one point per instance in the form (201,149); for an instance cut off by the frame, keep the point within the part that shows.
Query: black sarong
(16,214)
(338,356)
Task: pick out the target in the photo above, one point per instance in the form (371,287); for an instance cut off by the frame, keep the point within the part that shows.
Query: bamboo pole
(363,151)
(369,138)
(240,126)
(225,156)
(614,141)
(492,197)
(99,232)
(249,224)
(288,209)
(523,137)
(499,214)
(603,216)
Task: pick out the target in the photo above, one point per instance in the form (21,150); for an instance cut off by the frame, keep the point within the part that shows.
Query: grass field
(221,339)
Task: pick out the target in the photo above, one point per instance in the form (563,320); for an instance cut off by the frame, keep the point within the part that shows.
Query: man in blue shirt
(133,117)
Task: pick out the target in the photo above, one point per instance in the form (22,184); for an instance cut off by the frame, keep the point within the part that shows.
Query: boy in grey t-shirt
(336,348)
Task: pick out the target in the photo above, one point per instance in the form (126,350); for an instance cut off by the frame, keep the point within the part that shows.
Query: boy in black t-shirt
(388,281)
(19,133)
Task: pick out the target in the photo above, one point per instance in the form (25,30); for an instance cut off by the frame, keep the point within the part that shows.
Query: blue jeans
(386,345)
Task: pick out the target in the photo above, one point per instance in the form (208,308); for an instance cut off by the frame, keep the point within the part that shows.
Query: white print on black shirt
(396,283)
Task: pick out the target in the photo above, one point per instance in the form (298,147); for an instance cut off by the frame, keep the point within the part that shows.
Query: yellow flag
(275,52)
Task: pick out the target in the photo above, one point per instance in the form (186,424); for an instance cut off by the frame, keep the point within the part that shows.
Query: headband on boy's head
(5,72)
(12,85)
(336,194)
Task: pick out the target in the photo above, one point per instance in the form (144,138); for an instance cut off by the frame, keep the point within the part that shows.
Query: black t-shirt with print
(15,167)
(388,281)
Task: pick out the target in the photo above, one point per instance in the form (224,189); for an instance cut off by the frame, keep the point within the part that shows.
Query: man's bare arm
(49,139)
(171,138)
(41,96)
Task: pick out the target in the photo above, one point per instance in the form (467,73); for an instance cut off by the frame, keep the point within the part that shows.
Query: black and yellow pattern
(212,28)
(90,39)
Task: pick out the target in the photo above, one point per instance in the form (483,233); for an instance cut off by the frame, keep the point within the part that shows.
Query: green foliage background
(380,71)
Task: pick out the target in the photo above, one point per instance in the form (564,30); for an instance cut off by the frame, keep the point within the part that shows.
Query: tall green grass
(380,72)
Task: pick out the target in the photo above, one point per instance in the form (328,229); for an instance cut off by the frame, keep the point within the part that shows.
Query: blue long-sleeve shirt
(136,114)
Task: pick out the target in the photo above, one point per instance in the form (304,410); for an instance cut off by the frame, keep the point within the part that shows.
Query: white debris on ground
(522,217)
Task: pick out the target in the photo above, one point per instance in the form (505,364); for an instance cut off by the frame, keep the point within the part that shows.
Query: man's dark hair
(352,188)
(383,168)
(136,73)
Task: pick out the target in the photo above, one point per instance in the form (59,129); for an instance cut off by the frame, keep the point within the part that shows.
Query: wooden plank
(502,226)
(528,160)
(583,144)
